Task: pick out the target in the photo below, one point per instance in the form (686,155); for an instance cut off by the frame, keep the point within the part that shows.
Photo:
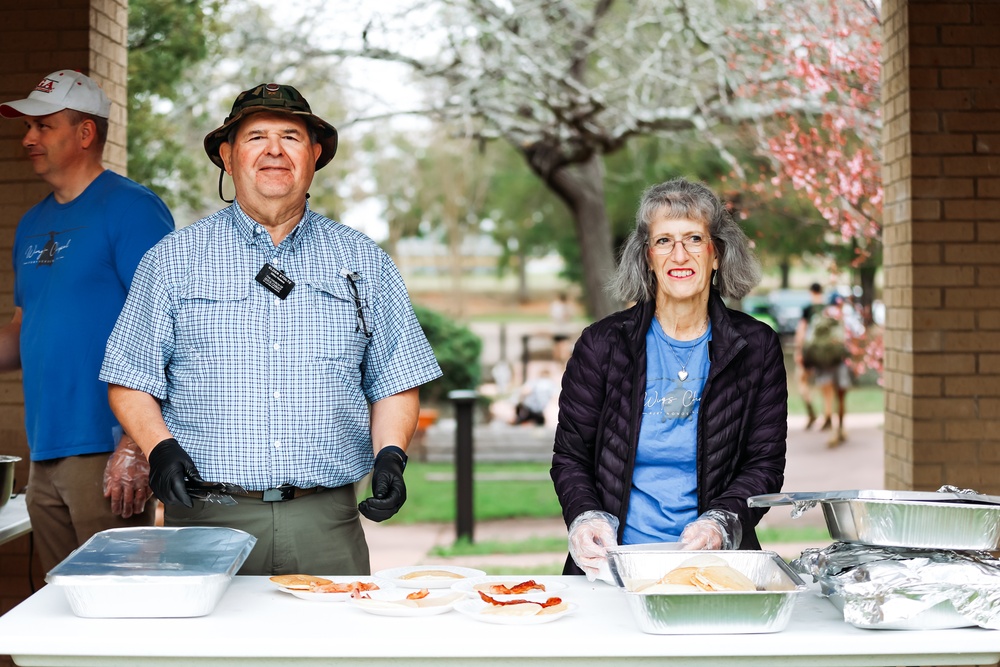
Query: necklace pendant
(682,375)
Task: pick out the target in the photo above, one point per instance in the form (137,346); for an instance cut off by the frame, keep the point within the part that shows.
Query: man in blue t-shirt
(74,255)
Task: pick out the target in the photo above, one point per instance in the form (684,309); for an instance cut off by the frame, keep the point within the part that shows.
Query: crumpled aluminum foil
(904,588)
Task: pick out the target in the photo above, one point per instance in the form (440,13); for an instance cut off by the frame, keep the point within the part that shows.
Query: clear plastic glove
(590,535)
(713,530)
(126,479)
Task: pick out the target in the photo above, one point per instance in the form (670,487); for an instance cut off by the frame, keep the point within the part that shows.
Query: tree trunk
(581,187)
(786,272)
(866,276)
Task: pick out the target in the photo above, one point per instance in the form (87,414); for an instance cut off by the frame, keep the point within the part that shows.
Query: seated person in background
(535,396)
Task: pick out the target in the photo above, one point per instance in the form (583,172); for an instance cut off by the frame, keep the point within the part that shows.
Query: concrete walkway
(811,466)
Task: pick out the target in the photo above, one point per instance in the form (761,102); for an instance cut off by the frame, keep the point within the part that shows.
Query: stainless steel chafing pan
(947,519)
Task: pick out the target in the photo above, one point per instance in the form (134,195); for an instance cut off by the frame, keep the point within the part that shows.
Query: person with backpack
(804,374)
(824,354)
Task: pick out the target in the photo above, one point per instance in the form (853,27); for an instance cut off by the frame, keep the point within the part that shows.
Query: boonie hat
(275,98)
(65,89)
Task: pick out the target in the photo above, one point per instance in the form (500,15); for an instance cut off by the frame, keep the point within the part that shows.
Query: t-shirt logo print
(50,251)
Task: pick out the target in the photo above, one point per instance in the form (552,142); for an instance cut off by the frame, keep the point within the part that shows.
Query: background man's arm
(10,343)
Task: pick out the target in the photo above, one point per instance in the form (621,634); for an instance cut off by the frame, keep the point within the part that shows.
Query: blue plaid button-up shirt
(258,390)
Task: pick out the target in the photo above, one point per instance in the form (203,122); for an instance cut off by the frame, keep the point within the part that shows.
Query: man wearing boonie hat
(74,256)
(269,347)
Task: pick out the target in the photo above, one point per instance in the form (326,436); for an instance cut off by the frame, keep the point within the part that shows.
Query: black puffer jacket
(742,425)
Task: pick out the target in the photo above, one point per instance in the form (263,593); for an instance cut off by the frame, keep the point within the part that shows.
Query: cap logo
(46,85)
(272,87)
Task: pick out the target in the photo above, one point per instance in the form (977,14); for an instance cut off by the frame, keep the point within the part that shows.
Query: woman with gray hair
(674,411)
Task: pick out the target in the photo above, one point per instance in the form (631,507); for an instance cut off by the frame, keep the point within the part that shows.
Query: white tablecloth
(255,624)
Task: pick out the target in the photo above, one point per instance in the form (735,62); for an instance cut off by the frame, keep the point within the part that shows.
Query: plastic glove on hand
(126,479)
(169,467)
(590,535)
(388,488)
(702,534)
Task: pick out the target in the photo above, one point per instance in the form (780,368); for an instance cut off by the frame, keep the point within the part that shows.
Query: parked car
(787,306)
(760,308)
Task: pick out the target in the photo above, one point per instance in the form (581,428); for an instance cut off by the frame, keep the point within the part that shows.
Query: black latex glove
(169,467)
(388,489)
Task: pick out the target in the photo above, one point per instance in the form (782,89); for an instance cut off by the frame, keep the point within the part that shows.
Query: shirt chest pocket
(338,319)
(217,320)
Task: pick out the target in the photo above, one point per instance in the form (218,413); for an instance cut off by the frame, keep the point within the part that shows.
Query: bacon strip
(551,602)
(335,587)
(418,595)
(516,589)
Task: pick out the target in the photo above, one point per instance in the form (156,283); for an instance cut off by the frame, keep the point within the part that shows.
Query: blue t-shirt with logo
(73,264)
(664,495)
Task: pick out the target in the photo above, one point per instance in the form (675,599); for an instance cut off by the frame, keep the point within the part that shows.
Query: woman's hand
(590,535)
(713,530)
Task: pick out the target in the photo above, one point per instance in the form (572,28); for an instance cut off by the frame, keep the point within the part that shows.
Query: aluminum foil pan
(946,519)
(907,589)
(768,609)
(151,572)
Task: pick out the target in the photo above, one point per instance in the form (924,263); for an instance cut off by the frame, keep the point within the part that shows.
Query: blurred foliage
(166,38)
(457,350)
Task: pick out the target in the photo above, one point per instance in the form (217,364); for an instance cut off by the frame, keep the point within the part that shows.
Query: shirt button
(276,346)
(277,444)
(277,301)
(277,394)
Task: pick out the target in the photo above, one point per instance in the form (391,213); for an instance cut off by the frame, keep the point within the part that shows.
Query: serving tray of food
(944,519)
(671,591)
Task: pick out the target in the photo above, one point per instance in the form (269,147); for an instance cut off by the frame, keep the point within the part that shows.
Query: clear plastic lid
(159,552)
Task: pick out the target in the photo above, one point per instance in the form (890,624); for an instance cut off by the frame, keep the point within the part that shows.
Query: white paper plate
(469,585)
(387,603)
(474,608)
(393,574)
(335,597)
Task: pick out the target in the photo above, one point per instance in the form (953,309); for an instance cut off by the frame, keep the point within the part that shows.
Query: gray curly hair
(739,269)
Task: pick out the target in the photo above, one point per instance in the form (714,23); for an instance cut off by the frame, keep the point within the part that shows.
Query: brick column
(941,144)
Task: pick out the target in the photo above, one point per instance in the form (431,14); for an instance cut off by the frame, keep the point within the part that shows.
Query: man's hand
(388,489)
(169,468)
(126,479)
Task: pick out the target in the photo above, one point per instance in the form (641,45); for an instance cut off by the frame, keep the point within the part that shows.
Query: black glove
(169,466)
(388,489)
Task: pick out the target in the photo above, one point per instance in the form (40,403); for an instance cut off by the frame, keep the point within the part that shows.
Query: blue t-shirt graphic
(664,495)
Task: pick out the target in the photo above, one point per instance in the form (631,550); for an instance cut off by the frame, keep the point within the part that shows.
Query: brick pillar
(941,143)
(36,38)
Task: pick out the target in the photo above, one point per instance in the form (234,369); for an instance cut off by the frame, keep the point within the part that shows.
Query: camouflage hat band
(274,98)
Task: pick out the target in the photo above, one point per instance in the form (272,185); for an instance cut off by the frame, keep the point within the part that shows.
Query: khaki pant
(66,505)
(318,534)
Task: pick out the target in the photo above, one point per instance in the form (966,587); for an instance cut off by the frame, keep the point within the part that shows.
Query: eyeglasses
(664,245)
(361,326)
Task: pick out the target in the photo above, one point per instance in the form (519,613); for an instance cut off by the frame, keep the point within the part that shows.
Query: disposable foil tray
(151,572)
(925,520)
(768,609)
(897,588)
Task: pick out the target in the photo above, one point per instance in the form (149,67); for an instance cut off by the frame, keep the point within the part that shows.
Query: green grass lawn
(859,399)
(500,491)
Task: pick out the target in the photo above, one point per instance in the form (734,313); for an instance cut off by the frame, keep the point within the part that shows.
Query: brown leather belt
(282,493)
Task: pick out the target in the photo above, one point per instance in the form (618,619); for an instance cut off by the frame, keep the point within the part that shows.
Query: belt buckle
(282,493)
